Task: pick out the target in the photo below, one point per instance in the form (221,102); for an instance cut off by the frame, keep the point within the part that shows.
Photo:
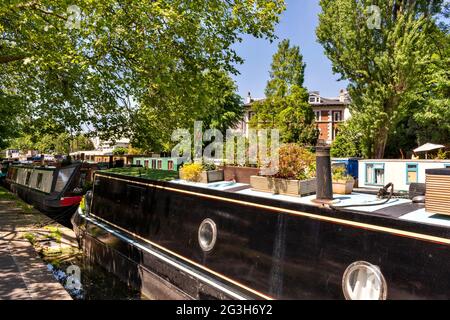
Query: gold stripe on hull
(360,225)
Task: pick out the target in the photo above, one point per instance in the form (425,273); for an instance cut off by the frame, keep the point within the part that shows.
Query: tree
(222,110)
(120,66)
(226,109)
(62,143)
(386,63)
(348,142)
(9,120)
(286,105)
(120,151)
(433,113)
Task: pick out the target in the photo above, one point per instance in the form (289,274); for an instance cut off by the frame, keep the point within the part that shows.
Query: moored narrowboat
(56,191)
(225,241)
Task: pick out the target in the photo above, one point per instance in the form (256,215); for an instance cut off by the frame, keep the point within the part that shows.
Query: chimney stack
(323,171)
(249,98)
(343,95)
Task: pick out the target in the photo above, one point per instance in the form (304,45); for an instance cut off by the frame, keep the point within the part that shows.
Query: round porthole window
(364,281)
(207,235)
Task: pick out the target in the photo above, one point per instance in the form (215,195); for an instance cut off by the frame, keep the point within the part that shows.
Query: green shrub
(209,167)
(340,174)
(441,155)
(296,162)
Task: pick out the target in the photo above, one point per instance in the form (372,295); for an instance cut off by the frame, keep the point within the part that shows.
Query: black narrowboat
(226,241)
(56,191)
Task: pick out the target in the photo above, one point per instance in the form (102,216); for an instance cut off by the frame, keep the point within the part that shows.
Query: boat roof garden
(158,175)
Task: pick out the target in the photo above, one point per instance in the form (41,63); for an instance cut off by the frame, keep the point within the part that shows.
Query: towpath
(23,274)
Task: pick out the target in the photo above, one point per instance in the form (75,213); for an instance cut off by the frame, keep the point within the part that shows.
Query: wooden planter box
(239,174)
(283,186)
(343,187)
(212,176)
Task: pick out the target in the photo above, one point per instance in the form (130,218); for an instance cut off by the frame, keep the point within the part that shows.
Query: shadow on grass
(5,195)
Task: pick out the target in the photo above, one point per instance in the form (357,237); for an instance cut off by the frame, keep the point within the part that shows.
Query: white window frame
(337,112)
(318,115)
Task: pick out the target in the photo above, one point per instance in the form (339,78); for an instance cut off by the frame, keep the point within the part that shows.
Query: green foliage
(386,66)
(120,151)
(348,142)
(9,119)
(340,174)
(54,233)
(131,68)
(83,204)
(62,143)
(30,237)
(286,107)
(209,167)
(225,110)
(441,155)
(403,139)
(296,162)
(432,114)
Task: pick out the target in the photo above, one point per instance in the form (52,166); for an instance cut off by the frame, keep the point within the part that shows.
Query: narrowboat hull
(48,189)
(265,248)
(49,204)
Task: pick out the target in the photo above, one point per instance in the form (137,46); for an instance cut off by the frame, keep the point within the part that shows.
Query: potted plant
(296,173)
(342,182)
(203,173)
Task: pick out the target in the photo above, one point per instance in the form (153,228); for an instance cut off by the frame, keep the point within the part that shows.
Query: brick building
(330,112)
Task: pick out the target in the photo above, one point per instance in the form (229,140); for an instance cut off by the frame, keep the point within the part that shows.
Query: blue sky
(298,24)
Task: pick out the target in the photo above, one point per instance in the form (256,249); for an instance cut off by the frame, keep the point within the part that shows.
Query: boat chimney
(323,171)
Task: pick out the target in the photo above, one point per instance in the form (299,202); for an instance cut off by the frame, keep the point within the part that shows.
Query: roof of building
(343,100)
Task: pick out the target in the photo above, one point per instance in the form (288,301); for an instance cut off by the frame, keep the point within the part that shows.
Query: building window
(170,165)
(317,113)
(375,174)
(153,164)
(337,117)
(159,164)
(138,162)
(146,163)
(411,173)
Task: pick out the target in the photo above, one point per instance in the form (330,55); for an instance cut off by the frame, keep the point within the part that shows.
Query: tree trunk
(380,141)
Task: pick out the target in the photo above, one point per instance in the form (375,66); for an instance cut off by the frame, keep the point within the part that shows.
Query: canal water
(95,283)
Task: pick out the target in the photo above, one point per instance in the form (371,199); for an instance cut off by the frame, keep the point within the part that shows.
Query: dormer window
(314,99)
